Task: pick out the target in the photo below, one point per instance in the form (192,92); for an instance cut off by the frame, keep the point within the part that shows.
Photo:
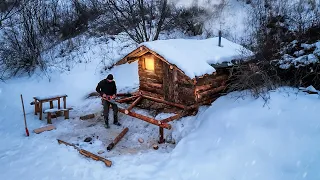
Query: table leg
(35,107)
(65,102)
(40,109)
(59,103)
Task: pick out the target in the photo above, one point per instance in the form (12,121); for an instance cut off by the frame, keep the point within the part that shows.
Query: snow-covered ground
(231,140)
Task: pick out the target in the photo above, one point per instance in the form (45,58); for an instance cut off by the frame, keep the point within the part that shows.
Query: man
(107,89)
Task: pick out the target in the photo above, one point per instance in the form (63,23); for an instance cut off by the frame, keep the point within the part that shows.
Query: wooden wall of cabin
(208,87)
(178,87)
(151,82)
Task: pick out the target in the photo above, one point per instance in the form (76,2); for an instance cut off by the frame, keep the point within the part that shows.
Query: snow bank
(194,57)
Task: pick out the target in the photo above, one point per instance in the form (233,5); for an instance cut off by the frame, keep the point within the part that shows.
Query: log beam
(209,92)
(172,118)
(126,99)
(147,119)
(133,104)
(164,101)
(117,139)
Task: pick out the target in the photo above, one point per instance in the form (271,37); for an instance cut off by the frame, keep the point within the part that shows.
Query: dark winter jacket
(106,87)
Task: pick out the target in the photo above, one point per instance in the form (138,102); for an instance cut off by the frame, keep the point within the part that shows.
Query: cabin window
(149,64)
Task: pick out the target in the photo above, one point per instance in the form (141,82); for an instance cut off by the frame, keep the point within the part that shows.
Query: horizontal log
(164,101)
(149,79)
(151,89)
(207,87)
(212,78)
(143,92)
(151,85)
(172,118)
(146,119)
(202,95)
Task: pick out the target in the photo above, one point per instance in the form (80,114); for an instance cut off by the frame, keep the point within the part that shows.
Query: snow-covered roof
(195,57)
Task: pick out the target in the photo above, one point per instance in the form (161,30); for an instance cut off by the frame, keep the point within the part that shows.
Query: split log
(46,128)
(89,116)
(133,104)
(172,118)
(117,139)
(147,119)
(202,95)
(164,102)
(127,99)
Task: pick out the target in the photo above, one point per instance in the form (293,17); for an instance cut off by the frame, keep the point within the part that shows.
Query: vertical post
(220,34)
(59,103)
(161,138)
(65,102)
(35,107)
(66,114)
(40,110)
(51,104)
(49,118)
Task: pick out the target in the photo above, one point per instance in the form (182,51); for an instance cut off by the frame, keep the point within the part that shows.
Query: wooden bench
(38,103)
(50,112)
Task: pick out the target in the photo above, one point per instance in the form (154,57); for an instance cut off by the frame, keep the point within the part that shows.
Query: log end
(126,111)
(110,146)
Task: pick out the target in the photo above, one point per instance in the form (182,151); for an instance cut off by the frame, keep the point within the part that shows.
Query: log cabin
(185,71)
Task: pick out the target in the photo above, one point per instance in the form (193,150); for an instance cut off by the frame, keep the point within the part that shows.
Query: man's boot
(115,121)
(106,125)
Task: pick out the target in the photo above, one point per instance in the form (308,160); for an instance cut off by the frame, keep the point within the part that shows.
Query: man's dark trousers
(106,105)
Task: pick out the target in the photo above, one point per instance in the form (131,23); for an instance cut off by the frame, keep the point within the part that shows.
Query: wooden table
(38,103)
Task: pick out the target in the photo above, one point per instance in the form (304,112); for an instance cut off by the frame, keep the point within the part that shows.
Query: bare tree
(141,20)
(7,9)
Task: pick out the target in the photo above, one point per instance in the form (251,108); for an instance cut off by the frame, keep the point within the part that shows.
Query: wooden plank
(46,128)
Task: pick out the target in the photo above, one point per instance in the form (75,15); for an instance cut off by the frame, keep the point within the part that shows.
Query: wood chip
(140,140)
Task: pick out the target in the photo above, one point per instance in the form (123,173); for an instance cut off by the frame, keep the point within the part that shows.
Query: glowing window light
(149,64)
